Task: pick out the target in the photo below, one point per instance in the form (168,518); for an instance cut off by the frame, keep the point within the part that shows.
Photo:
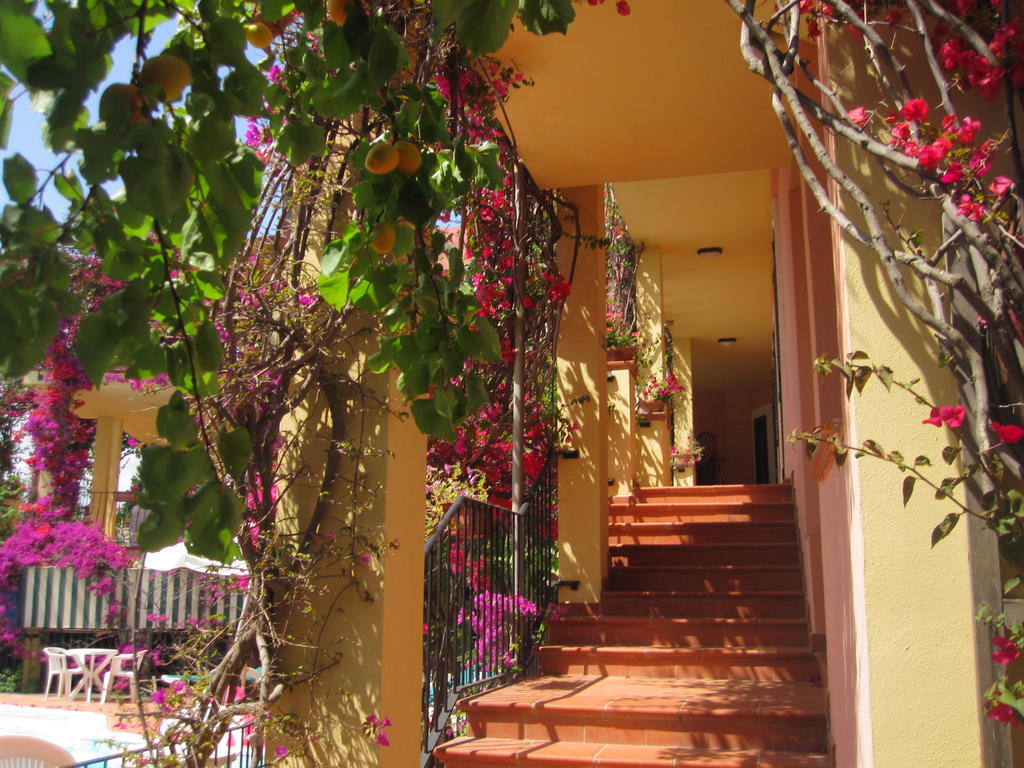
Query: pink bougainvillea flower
(915,110)
(953,174)
(1004,713)
(858,116)
(1000,185)
(1008,650)
(1007,433)
(383,740)
(281,751)
(952,416)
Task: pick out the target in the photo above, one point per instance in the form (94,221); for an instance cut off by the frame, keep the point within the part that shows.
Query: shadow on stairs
(697,655)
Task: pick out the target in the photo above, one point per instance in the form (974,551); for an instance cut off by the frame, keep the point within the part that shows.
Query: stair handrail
(469,640)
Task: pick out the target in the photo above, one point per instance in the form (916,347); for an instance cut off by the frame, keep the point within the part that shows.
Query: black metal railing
(488,583)
(235,750)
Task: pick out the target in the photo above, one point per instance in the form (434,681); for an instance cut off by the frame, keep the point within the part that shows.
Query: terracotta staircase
(698,654)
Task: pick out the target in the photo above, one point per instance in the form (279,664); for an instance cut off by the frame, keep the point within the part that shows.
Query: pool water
(84,734)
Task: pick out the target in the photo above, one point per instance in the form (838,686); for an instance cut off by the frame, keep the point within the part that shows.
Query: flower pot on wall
(621,353)
(651,407)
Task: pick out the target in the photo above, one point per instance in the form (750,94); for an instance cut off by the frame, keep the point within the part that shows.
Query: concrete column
(682,365)
(106,468)
(622,428)
(373,631)
(653,467)
(582,370)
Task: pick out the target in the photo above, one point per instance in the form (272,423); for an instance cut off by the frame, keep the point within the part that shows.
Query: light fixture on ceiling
(727,341)
(710,252)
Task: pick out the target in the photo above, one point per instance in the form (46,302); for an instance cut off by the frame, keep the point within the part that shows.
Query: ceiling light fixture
(727,341)
(710,253)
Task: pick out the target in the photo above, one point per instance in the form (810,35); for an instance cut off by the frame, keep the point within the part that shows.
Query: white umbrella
(176,556)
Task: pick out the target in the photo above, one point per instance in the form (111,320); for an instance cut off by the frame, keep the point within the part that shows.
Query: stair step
(731,714)
(736,605)
(709,533)
(696,511)
(717,493)
(676,633)
(721,578)
(631,555)
(469,751)
(778,663)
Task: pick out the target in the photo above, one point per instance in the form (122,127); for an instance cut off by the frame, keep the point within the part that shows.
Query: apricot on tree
(169,72)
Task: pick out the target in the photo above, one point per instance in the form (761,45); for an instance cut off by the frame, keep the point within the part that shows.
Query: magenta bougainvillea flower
(951,415)
(1007,433)
(1008,650)
(1004,713)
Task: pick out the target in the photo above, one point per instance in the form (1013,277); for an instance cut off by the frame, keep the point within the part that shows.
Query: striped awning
(56,598)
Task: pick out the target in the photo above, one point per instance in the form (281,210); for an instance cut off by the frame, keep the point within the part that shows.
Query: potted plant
(656,394)
(684,457)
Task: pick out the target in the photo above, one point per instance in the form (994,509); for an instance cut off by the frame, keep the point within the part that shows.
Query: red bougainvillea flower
(916,110)
(1007,433)
(1008,650)
(622,7)
(953,416)
(1004,713)
(858,116)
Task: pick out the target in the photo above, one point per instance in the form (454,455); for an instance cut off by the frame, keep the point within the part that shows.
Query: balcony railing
(235,750)
(488,583)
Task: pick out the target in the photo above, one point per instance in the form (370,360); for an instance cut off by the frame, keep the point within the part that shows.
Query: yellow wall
(622,437)
(371,628)
(582,370)
(917,649)
(682,364)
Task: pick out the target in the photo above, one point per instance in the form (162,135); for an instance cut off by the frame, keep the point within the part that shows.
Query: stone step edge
(682,594)
(682,621)
(492,751)
(656,651)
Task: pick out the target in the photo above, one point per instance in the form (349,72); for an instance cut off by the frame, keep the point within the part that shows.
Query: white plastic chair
(57,666)
(117,669)
(30,752)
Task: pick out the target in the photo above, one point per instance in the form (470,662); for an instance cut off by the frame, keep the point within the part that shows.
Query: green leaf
(542,17)
(334,289)
(385,56)
(22,39)
(19,179)
(175,424)
(162,527)
(908,488)
(1012,584)
(922,461)
(950,453)
(943,529)
(447,11)
(209,352)
(429,421)
(415,381)
(484,24)
(235,451)
(157,184)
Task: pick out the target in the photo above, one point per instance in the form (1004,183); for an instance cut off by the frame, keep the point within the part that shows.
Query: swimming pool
(84,734)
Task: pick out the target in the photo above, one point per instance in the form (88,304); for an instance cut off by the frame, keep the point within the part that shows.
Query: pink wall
(729,415)
(809,320)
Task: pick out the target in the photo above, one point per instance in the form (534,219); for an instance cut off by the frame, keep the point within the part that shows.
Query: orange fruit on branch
(409,158)
(169,72)
(385,237)
(381,159)
(258,34)
(129,94)
(337,11)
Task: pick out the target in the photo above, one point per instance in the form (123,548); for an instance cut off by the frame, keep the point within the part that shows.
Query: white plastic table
(93,662)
